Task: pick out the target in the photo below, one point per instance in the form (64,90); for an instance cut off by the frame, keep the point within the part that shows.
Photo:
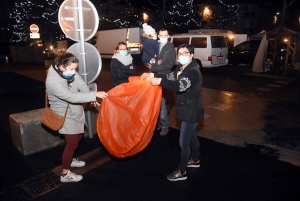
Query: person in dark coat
(162,66)
(122,65)
(186,80)
(150,45)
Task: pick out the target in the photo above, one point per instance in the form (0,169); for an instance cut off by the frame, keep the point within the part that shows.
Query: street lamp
(145,17)
(206,12)
(275,18)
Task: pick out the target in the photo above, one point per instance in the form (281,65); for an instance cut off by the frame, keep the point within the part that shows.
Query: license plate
(220,58)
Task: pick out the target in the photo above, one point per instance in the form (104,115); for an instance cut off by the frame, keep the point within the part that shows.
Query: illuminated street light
(206,12)
(145,17)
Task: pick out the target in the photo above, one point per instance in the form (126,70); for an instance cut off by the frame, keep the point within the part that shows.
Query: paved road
(226,173)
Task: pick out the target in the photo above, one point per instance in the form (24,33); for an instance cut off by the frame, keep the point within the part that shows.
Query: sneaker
(77,163)
(70,177)
(193,163)
(164,131)
(177,175)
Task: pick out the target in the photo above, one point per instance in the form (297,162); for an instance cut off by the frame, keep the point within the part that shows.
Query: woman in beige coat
(65,86)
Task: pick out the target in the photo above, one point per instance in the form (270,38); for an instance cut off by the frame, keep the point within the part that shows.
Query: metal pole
(82,55)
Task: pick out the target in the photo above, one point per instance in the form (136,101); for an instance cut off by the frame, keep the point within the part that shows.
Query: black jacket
(188,87)
(121,72)
(168,57)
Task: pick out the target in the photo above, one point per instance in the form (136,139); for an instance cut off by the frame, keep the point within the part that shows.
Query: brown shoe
(193,163)
(177,175)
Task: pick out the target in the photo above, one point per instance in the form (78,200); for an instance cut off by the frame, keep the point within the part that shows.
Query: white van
(210,50)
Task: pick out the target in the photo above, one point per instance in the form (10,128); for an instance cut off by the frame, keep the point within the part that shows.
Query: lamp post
(145,17)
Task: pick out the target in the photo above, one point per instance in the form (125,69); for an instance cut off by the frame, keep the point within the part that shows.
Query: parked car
(243,53)
(4,53)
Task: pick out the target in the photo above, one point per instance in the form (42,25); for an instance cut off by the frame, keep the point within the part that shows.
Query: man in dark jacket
(162,66)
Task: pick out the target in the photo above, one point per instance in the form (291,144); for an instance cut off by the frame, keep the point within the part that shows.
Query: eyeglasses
(183,53)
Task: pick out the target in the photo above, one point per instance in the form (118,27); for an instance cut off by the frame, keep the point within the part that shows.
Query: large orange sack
(128,117)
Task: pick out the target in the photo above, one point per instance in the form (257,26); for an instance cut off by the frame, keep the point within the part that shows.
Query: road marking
(219,106)
(282,82)
(264,89)
(92,160)
(239,99)
(274,85)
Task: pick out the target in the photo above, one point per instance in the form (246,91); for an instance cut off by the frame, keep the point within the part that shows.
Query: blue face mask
(163,40)
(69,72)
(184,60)
(69,75)
(123,52)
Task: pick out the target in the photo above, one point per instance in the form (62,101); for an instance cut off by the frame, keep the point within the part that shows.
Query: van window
(180,41)
(199,42)
(218,42)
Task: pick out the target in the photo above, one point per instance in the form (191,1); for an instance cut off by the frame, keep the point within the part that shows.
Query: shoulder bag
(51,119)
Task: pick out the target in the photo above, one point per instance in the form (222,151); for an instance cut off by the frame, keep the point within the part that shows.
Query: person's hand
(149,66)
(101,94)
(145,75)
(154,80)
(95,104)
(131,67)
(159,62)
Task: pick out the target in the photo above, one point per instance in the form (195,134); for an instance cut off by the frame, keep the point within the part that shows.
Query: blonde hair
(117,48)
(147,36)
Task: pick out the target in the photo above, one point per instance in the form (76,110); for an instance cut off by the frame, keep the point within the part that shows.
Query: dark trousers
(71,145)
(189,144)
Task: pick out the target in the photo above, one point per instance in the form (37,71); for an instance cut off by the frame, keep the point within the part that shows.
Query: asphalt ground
(226,172)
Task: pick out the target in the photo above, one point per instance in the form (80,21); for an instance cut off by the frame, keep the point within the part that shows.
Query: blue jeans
(163,116)
(188,143)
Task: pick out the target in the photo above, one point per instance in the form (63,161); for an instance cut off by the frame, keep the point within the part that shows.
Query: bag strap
(46,102)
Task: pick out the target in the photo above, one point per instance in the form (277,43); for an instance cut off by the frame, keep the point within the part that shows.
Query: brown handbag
(51,119)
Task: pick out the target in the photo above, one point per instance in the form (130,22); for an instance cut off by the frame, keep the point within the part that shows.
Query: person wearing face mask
(122,65)
(186,80)
(150,45)
(66,88)
(162,66)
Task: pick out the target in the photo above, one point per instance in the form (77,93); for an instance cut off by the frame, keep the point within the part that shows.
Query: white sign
(69,19)
(34,35)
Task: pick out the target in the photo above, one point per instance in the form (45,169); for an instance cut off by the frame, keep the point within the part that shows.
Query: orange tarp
(128,117)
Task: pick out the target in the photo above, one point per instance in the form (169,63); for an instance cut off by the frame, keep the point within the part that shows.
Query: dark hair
(163,30)
(187,46)
(120,43)
(65,59)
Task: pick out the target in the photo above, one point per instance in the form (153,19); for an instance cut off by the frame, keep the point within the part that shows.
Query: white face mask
(163,40)
(184,59)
